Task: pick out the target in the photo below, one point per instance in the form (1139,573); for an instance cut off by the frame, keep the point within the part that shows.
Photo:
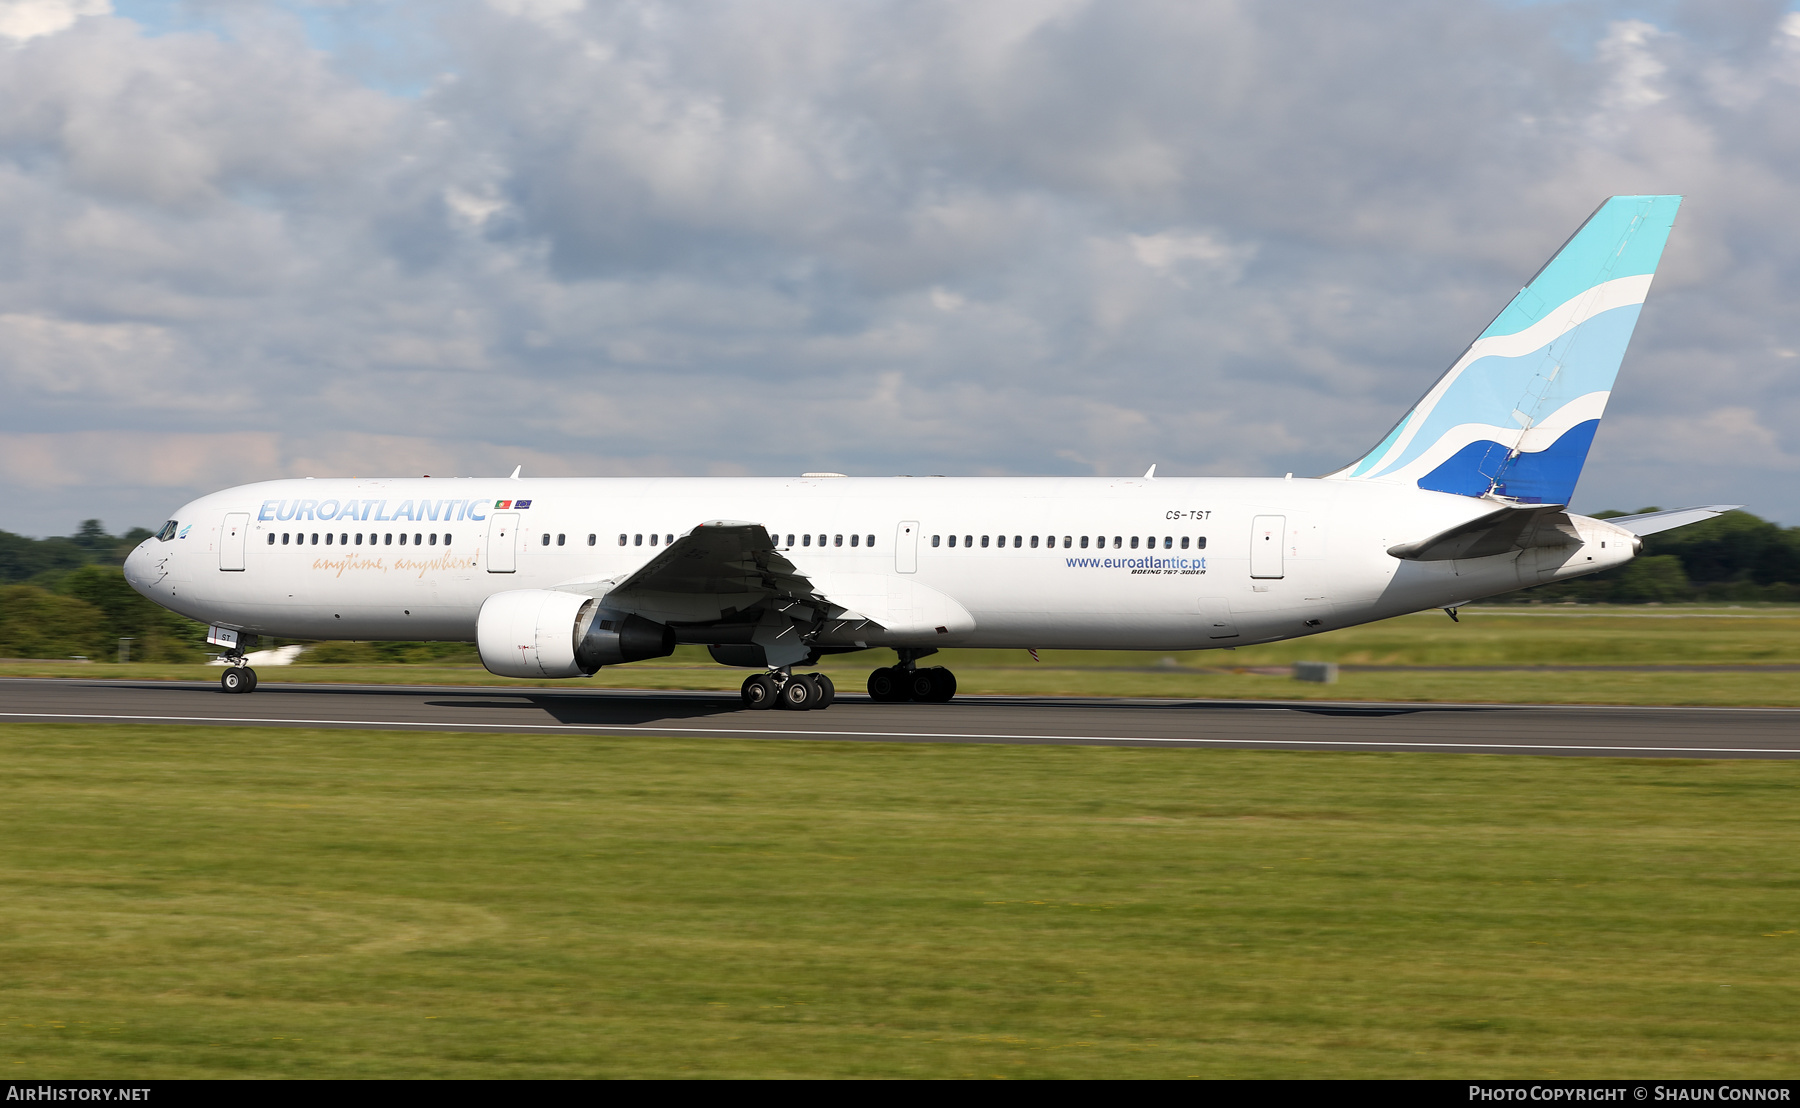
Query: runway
(1593,731)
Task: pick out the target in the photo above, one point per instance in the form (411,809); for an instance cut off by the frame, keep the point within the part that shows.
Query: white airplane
(1465,498)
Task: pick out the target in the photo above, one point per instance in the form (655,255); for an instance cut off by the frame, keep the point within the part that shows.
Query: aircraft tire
(827,690)
(799,694)
(251,674)
(758,692)
(885,686)
(943,685)
(233,680)
(919,685)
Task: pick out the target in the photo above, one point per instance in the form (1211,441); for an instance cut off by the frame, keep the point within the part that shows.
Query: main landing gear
(237,677)
(795,692)
(935,685)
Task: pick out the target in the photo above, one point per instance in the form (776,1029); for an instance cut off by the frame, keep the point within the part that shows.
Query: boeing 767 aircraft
(1465,498)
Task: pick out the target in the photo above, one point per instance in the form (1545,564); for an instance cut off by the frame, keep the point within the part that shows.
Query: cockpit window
(167,532)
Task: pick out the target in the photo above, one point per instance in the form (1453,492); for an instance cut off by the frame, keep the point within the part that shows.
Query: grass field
(1503,636)
(214,902)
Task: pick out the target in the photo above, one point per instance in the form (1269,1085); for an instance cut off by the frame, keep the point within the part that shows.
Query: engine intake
(545,633)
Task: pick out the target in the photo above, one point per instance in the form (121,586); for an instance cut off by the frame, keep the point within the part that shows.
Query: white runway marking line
(610,729)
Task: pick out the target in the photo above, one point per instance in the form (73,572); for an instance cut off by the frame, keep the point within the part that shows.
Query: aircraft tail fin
(1514,416)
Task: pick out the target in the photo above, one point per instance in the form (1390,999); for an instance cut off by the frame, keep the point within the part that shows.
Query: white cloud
(779,235)
(21,20)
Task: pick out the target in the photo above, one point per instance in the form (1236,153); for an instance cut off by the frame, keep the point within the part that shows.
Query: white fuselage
(1167,562)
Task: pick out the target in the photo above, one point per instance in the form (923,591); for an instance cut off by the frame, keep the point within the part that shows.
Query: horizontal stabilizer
(1649,523)
(1510,528)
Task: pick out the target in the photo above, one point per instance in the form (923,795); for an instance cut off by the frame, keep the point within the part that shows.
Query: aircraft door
(1266,539)
(231,542)
(503,542)
(906,547)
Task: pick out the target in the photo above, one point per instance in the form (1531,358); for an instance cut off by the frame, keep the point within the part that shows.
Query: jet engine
(545,633)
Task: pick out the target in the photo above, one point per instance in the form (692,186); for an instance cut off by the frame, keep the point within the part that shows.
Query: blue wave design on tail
(1516,413)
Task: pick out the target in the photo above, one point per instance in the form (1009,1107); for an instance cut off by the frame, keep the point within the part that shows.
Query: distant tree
(158,634)
(1656,577)
(92,537)
(22,557)
(1736,546)
(38,624)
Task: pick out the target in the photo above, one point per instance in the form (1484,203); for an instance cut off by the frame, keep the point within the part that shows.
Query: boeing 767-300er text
(1464,498)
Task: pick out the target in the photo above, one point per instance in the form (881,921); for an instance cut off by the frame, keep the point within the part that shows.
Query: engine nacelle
(607,638)
(545,633)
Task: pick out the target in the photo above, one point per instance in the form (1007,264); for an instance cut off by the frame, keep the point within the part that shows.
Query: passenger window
(343,540)
(853,539)
(805,540)
(637,540)
(271,538)
(1200,543)
(284,538)
(790,542)
(1034,542)
(838,541)
(403,538)
(953,541)
(821,540)
(416,538)
(869,541)
(592,539)
(1068,540)
(447,539)
(1168,542)
(560,539)
(1134,542)
(315,538)
(328,538)
(1184,542)
(984,542)
(1118,542)
(359,538)
(968,540)
(652,540)
(1018,541)
(667,539)
(1084,542)
(934,540)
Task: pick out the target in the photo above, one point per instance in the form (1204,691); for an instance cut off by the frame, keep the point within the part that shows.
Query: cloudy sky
(242,240)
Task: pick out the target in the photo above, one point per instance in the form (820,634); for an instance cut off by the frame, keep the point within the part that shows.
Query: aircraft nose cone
(137,569)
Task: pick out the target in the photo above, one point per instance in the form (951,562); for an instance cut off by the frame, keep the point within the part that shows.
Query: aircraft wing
(1510,528)
(1649,523)
(725,582)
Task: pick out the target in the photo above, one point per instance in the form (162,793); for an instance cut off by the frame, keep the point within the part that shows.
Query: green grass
(246,903)
(1512,636)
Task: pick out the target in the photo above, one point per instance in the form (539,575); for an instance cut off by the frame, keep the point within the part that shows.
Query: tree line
(66,597)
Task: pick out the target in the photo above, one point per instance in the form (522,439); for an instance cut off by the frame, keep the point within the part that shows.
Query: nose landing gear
(238,677)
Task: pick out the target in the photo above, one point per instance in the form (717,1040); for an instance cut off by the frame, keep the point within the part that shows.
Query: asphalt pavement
(1596,731)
